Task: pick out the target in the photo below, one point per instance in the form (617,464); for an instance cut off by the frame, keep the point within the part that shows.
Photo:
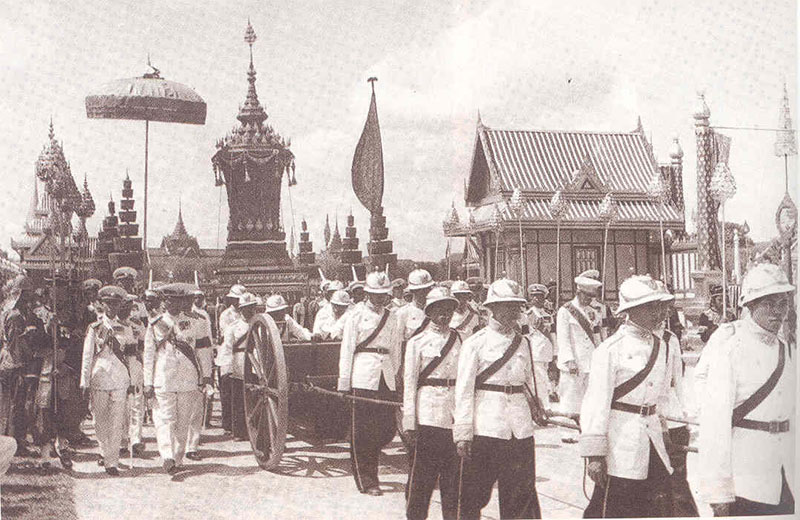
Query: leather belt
(644,409)
(374,350)
(435,381)
(239,349)
(505,389)
(764,426)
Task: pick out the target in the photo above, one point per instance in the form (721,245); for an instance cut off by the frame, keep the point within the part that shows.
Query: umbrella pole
(146,145)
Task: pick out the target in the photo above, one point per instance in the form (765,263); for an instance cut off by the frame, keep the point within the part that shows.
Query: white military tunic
(622,437)
(489,413)
(291,330)
(364,369)
(746,463)
(430,405)
(409,319)
(465,322)
(574,344)
(324,317)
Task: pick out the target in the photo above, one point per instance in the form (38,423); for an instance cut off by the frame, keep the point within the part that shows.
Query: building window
(586,258)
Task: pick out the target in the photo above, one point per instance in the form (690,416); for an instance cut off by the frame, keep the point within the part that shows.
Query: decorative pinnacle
(52,133)
(250,38)
(372,81)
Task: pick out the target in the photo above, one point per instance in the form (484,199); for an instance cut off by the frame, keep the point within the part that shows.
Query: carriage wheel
(266,394)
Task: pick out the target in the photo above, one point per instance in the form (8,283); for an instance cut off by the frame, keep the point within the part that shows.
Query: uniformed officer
(746,433)
(539,317)
(223,360)
(577,335)
(173,374)
(341,303)
(711,318)
(607,321)
(622,434)
(493,425)
(205,357)
(411,318)
(324,316)
(233,348)
(126,277)
(466,320)
(133,356)
(430,368)
(398,286)
(289,329)
(369,361)
(105,375)
(356,290)
(93,308)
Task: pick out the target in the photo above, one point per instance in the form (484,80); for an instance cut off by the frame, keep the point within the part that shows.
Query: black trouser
(434,458)
(372,427)
(683,503)
(225,400)
(512,464)
(629,498)
(238,420)
(744,507)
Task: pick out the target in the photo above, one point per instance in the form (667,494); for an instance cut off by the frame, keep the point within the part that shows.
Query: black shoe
(138,449)
(373,491)
(101,461)
(114,472)
(66,462)
(169,466)
(193,455)
(123,452)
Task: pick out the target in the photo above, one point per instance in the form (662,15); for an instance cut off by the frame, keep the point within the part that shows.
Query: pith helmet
(639,290)
(460,287)
(763,280)
(419,279)
(274,303)
(437,295)
(504,290)
(378,283)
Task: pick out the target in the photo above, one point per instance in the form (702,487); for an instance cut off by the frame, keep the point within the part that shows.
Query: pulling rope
(311,387)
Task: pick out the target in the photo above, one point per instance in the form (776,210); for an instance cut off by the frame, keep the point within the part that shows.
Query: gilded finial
(372,81)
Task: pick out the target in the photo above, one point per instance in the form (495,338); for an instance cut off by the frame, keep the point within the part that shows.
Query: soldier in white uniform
(493,425)
(324,316)
(105,377)
(607,321)
(233,348)
(577,335)
(289,329)
(746,433)
(342,304)
(431,366)
(411,317)
(126,277)
(398,286)
(172,373)
(622,431)
(369,361)
(135,400)
(223,360)
(465,320)
(205,357)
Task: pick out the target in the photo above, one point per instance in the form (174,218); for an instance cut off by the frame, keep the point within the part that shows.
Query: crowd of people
(478,369)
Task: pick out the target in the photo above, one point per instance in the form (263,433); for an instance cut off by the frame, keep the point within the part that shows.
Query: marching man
(412,317)
(324,316)
(368,364)
(622,434)
(133,356)
(746,434)
(172,373)
(233,349)
(431,365)
(205,357)
(493,424)
(465,320)
(577,335)
(607,322)
(222,360)
(105,376)
(341,303)
(289,329)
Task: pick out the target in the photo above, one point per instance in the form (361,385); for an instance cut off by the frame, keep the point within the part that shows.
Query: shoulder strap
(186,349)
(466,320)
(236,344)
(582,321)
(759,395)
(374,333)
(430,367)
(627,386)
(421,327)
(499,363)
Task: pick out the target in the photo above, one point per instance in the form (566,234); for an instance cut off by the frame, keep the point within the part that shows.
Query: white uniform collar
(638,331)
(763,334)
(499,328)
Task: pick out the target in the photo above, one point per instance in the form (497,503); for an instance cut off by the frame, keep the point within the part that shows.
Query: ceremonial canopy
(583,168)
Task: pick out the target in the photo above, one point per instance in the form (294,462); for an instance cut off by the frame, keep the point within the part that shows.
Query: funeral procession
(512,296)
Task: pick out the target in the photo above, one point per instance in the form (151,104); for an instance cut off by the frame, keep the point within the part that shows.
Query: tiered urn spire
(306,256)
(128,247)
(351,254)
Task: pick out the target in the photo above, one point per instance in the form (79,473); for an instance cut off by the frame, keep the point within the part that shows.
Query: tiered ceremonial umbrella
(147,98)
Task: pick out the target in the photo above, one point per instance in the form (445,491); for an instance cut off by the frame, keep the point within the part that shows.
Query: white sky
(438,63)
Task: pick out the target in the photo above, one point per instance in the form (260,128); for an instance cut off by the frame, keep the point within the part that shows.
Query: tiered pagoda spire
(128,248)
(351,254)
(180,242)
(306,256)
(335,245)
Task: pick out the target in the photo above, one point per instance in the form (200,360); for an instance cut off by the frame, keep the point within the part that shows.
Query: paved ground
(312,482)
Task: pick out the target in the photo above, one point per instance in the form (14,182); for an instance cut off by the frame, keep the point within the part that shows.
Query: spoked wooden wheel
(266,393)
